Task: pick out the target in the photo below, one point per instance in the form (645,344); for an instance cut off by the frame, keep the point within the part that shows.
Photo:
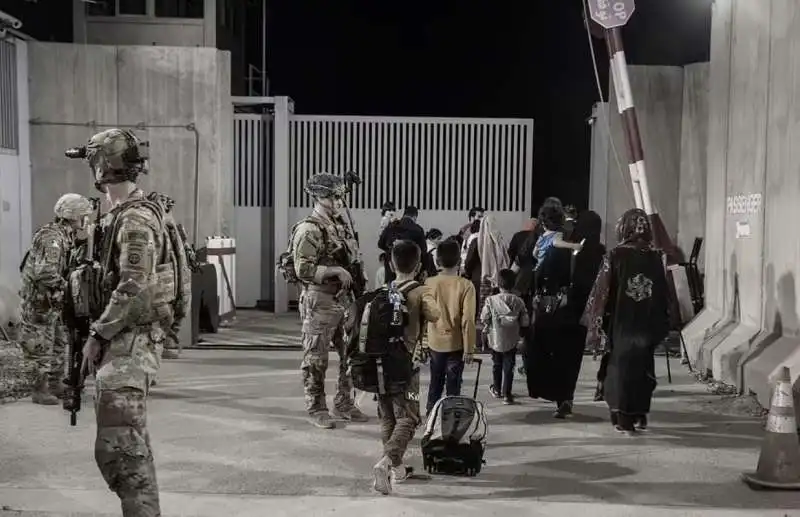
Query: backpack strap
(24,260)
(408,286)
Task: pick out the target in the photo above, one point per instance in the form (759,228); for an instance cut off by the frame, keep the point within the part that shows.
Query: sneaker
(322,420)
(381,476)
(508,400)
(494,392)
(641,423)
(402,473)
(354,415)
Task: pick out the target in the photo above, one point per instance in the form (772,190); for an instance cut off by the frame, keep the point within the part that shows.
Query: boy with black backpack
(384,329)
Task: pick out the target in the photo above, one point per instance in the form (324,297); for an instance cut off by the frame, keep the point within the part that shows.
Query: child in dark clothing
(400,412)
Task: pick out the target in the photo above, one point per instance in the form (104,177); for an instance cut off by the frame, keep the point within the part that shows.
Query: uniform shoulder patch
(51,249)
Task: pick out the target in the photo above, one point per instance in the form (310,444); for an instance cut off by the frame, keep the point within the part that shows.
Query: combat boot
(41,393)
(169,353)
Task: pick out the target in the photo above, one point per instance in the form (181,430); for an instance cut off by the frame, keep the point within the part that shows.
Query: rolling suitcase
(455,434)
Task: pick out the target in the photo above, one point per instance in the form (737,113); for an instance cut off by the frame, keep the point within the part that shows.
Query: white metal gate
(443,166)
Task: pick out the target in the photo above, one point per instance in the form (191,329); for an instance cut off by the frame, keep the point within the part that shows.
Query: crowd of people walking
(550,294)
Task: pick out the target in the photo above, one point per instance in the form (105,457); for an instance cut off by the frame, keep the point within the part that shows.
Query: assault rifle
(191,254)
(78,310)
(356,269)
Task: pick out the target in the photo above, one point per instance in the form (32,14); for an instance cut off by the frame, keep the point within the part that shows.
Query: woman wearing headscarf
(567,358)
(551,351)
(629,306)
(491,252)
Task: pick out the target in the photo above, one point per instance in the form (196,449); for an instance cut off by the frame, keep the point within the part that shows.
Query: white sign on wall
(742,229)
(744,204)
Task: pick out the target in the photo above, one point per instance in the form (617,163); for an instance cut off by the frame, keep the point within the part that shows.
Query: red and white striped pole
(633,140)
(612,15)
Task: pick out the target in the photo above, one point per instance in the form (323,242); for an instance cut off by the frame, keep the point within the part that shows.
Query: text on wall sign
(744,204)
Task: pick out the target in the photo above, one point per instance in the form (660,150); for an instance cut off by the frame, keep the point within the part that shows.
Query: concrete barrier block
(760,370)
(716,336)
(725,356)
(698,331)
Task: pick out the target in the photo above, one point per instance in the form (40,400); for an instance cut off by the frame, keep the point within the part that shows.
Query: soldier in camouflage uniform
(124,347)
(323,247)
(43,272)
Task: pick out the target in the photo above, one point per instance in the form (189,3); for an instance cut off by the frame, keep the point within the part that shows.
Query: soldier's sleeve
(306,248)
(136,263)
(49,257)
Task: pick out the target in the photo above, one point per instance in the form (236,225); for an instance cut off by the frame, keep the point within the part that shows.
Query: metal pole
(633,141)
(264,92)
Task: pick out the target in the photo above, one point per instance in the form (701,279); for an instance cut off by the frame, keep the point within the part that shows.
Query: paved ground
(256,330)
(231,438)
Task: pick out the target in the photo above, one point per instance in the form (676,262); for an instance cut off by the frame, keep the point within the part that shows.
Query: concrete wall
(145,30)
(77,90)
(672,107)
(753,187)
(15,183)
(693,164)
(658,94)
(601,160)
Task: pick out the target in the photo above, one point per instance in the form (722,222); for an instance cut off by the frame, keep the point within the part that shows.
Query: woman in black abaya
(559,338)
(629,300)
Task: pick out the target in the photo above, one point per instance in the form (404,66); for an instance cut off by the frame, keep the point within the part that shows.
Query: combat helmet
(325,185)
(114,156)
(73,207)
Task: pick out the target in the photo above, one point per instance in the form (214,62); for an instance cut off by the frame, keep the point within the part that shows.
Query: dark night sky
(481,58)
(469,58)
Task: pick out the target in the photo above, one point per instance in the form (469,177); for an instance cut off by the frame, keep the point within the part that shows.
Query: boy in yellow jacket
(451,339)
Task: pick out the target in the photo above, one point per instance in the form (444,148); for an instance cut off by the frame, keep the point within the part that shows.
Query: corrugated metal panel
(253,160)
(9,109)
(431,163)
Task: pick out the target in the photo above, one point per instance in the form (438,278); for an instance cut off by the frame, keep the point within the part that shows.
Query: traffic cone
(779,461)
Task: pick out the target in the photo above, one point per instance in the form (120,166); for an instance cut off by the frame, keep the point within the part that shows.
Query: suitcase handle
(479,362)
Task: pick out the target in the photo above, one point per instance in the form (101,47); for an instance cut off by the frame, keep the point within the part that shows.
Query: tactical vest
(172,283)
(334,253)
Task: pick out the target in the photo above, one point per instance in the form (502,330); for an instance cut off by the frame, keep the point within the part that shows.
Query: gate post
(284,108)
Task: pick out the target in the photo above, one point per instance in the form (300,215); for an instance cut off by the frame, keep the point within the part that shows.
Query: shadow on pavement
(267,362)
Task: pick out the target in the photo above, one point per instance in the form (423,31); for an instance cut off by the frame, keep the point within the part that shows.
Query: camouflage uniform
(43,271)
(319,242)
(400,417)
(139,288)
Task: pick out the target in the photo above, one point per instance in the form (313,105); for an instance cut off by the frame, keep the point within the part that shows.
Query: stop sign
(611,13)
